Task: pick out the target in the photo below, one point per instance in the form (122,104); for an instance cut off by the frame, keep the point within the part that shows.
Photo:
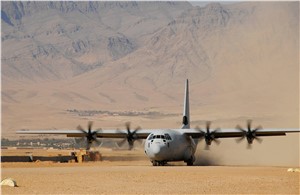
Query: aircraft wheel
(162,163)
(190,162)
(159,163)
(155,163)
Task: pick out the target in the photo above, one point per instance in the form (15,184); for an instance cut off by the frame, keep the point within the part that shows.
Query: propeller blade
(216,130)
(98,142)
(131,137)
(208,123)
(206,147)
(258,139)
(90,136)
(121,143)
(250,134)
(216,141)
(79,141)
(201,131)
(249,146)
(209,136)
(127,124)
(88,145)
(257,128)
(130,146)
(96,131)
(136,130)
(239,140)
(81,129)
(90,124)
(240,128)
(249,124)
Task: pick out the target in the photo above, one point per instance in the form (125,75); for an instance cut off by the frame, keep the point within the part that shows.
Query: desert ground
(130,172)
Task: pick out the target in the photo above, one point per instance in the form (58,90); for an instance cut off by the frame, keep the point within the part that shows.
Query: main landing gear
(163,163)
(191,161)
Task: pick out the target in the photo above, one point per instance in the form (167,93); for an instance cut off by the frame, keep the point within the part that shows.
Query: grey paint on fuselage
(172,145)
(179,147)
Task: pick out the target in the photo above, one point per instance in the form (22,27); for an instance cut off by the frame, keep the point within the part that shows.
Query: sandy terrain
(129,172)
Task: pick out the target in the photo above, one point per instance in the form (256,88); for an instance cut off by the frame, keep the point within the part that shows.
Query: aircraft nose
(156,150)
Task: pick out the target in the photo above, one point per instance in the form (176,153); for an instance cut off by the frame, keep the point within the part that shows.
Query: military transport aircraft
(166,145)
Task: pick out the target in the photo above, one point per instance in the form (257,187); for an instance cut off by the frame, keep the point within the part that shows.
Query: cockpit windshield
(150,137)
(168,137)
(165,136)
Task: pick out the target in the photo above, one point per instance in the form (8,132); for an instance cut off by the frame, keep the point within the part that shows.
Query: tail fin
(186,108)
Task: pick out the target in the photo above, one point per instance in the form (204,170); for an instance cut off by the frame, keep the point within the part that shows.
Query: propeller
(209,136)
(91,136)
(250,134)
(130,137)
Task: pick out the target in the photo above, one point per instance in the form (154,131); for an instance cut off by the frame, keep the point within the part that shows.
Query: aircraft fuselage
(168,145)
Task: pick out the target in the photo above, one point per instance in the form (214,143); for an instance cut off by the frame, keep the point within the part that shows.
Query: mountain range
(242,60)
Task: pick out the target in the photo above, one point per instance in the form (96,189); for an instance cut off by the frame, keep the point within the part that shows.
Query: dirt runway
(142,178)
(130,172)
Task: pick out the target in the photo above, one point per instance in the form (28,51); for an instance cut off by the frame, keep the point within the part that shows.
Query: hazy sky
(203,3)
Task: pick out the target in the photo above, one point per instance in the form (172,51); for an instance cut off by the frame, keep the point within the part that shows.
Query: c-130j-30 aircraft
(166,145)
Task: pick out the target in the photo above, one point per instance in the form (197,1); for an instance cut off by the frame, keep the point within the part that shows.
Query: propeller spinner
(250,133)
(130,137)
(209,136)
(91,136)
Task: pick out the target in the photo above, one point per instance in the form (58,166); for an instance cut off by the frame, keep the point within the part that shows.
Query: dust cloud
(273,151)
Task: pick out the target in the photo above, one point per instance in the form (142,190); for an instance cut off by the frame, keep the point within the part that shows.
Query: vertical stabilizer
(186,108)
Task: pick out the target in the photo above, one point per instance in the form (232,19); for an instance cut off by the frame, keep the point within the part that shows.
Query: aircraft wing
(231,133)
(140,134)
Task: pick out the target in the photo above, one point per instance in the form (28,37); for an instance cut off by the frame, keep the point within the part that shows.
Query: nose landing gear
(159,163)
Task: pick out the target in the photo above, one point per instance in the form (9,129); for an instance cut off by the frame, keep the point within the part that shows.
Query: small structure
(293,170)
(85,156)
(9,182)
(79,155)
(93,156)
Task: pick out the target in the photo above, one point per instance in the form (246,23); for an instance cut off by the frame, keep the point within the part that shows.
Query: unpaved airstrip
(130,172)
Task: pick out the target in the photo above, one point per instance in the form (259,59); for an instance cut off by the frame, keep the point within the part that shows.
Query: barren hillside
(242,61)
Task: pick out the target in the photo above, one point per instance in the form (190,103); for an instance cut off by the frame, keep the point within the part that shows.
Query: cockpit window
(150,137)
(168,137)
